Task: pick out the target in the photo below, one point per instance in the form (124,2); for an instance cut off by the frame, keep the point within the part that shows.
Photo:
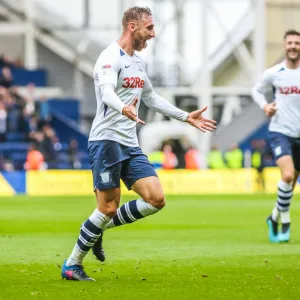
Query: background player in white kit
(121,83)
(284,129)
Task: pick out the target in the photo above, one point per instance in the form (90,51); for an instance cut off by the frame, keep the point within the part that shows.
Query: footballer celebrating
(284,129)
(121,82)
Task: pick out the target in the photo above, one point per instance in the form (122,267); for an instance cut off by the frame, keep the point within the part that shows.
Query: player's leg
(151,201)
(284,235)
(285,194)
(107,190)
(90,231)
(139,175)
(282,150)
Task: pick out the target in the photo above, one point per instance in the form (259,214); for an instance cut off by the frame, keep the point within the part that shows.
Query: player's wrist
(264,106)
(123,110)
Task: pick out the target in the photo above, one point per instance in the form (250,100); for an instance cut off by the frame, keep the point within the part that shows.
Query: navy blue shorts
(282,144)
(111,161)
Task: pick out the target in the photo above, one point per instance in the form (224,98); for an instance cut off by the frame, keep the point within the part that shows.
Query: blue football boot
(273,230)
(284,235)
(75,272)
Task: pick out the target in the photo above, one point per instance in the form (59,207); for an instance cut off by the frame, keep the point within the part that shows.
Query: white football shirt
(128,76)
(285,83)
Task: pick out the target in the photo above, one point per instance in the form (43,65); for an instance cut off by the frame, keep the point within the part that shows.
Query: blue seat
(85,166)
(63,157)
(13,146)
(15,137)
(63,165)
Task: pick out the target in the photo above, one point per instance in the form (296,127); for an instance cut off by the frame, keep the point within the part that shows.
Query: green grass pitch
(197,247)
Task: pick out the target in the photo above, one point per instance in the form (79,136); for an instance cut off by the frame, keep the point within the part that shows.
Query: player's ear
(131,26)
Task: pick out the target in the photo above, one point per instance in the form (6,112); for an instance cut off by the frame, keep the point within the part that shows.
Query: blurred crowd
(20,122)
(179,154)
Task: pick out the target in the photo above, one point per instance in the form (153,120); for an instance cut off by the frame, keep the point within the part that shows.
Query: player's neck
(292,64)
(125,42)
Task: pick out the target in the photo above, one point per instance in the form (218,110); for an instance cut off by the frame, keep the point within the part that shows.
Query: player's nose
(152,34)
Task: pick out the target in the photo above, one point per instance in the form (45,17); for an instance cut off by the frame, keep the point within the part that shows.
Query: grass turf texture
(198,247)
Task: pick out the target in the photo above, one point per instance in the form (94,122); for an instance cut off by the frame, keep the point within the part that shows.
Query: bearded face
(139,40)
(143,32)
(292,48)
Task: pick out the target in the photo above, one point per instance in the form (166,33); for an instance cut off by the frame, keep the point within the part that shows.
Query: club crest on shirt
(139,66)
(105,177)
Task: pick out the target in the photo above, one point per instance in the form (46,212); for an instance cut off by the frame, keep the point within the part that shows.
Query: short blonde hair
(135,13)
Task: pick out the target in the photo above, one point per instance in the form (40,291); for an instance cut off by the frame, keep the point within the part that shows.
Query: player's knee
(158,201)
(109,211)
(288,176)
(109,208)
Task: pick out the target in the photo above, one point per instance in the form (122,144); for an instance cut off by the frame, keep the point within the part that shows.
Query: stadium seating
(64,118)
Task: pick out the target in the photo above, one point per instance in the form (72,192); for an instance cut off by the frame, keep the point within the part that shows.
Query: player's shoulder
(112,51)
(275,69)
(109,56)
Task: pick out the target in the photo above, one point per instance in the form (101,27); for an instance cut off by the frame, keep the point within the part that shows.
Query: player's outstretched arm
(161,105)
(197,120)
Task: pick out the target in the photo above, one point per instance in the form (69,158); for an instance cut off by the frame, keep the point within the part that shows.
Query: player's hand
(270,109)
(130,112)
(196,119)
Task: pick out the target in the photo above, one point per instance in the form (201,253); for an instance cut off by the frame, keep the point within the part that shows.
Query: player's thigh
(106,175)
(106,165)
(282,148)
(280,144)
(139,175)
(150,189)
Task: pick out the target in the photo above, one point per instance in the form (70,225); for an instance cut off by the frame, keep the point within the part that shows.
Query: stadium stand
(50,124)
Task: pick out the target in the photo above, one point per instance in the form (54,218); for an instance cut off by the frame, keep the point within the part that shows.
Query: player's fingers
(132,114)
(134,102)
(203,109)
(200,127)
(210,121)
(139,121)
(211,126)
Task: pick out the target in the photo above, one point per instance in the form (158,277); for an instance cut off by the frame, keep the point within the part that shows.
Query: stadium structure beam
(30,55)
(181,62)
(180,38)
(9,29)
(86,9)
(215,91)
(241,52)
(259,38)
(204,91)
(78,75)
